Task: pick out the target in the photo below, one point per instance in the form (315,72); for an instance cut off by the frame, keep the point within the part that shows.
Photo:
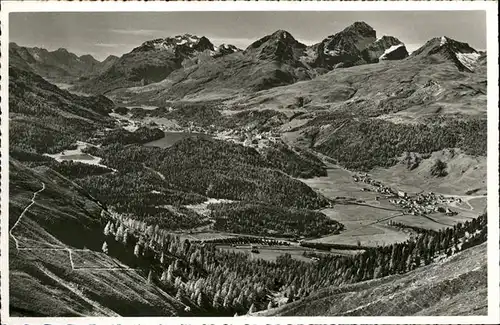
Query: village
(249,138)
(422,204)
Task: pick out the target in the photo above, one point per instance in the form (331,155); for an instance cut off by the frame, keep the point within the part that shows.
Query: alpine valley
(185,178)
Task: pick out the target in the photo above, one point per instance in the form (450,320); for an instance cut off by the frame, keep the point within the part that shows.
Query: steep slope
(454,286)
(44,118)
(57,267)
(154,60)
(59,65)
(444,48)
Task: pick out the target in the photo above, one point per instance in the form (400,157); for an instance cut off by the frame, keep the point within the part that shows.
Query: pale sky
(103,33)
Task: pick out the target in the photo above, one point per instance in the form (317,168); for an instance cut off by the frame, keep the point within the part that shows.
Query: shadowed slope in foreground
(56,266)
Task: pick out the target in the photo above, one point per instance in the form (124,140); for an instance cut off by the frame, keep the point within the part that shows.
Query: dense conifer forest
(218,282)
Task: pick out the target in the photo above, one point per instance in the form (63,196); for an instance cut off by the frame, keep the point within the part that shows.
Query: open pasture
(207,236)
(339,183)
(270,253)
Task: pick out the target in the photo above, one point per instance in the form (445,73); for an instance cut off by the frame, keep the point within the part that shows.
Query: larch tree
(119,234)
(106,229)
(105,248)
(200,300)
(164,276)
(125,237)
(150,277)
(217,301)
(137,250)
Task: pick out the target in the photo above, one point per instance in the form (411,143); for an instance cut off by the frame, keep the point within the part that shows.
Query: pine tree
(180,294)
(125,237)
(192,259)
(227,302)
(164,276)
(119,234)
(217,301)
(200,300)
(106,229)
(170,277)
(177,282)
(111,228)
(105,248)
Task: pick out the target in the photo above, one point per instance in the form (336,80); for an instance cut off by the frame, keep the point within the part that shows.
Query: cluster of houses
(252,138)
(422,204)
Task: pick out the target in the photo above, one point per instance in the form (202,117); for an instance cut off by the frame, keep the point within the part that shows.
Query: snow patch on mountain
(331,52)
(468,59)
(390,49)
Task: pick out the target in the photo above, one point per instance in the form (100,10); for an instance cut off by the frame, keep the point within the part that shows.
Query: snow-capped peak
(443,40)
(169,43)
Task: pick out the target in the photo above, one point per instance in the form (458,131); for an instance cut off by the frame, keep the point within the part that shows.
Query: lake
(172,137)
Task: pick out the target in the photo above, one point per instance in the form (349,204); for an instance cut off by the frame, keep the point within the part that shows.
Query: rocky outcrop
(385,48)
(344,48)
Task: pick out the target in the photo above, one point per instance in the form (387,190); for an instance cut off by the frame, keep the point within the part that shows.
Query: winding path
(57,248)
(22,214)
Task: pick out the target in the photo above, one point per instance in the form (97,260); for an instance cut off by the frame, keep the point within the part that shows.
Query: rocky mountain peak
(344,48)
(61,50)
(280,46)
(88,58)
(361,28)
(283,35)
(460,53)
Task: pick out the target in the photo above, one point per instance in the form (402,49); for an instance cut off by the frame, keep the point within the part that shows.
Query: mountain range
(59,65)
(186,64)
